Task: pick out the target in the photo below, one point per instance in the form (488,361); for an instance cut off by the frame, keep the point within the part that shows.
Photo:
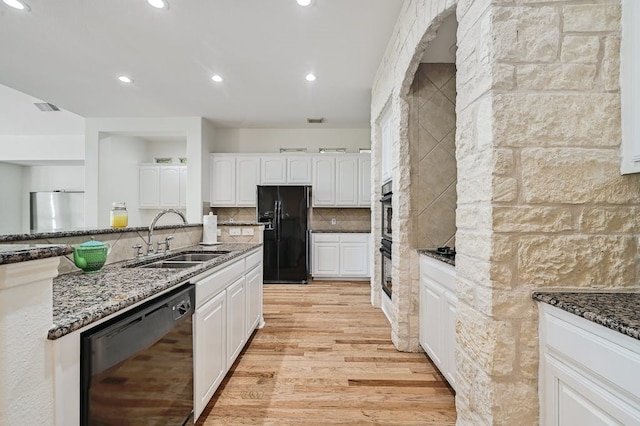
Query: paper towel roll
(210,229)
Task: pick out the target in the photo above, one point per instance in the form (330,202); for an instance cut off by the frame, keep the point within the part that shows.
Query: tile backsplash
(345,219)
(319,218)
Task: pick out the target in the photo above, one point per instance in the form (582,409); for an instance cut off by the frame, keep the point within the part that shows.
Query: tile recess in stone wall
(433,189)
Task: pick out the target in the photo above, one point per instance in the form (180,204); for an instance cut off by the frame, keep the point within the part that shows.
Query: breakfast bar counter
(15,253)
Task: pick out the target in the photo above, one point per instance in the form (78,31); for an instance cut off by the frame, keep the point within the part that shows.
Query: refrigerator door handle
(275,219)
(279,203)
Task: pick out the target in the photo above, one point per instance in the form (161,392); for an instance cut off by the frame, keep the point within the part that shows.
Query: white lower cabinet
(437,315)
(236,333)
(210,328)
(340,255)
(254,299)
(589,374)
(227,300)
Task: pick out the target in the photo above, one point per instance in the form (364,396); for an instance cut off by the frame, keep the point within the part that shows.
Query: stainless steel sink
(169,264)
(185,259)
(195,257)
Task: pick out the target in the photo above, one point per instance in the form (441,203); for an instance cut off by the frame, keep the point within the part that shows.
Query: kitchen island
(43,315)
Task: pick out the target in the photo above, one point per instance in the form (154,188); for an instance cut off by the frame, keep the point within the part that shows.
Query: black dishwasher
(137,369)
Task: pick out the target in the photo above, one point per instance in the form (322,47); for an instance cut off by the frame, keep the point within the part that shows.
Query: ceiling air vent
(46,106)
(315,120)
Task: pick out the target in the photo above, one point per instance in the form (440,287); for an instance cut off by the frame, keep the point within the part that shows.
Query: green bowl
(90,256)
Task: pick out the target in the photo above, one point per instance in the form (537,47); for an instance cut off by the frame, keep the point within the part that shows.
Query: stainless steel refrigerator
(56,211)
(284,212)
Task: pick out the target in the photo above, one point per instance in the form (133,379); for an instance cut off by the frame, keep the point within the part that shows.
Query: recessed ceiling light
(216,78)
(17,4)
(304,2)
(159,4)
(125,79)
(311,77)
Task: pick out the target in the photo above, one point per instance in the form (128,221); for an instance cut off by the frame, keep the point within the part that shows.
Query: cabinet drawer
(584,345)
(354,238)
(217,281)
(326,238)
(253,260)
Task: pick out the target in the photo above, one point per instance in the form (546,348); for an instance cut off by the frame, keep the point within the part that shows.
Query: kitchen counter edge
(318,231)
(81,299)
(435,255)
(15,253)
(617,311)
(87,231)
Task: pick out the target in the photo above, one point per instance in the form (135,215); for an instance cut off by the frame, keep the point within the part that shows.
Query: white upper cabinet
(149,195)
(223,180)
(386,145)
(286,170)
(162,186)
(274,170)
(299,170)
(346,181)
(247,178)
(234,179)
(324,181)
(629,87)
(342,180)
(364,181)
(170,186)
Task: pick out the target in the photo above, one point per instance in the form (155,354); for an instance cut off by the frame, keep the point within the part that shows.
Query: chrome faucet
(153,224)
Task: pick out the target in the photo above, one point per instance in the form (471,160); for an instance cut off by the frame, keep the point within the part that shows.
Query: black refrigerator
(283,210)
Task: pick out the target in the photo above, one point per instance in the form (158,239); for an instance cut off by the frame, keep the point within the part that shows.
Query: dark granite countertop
(80,299)
(331,231)
(14,253)
(239,223)
(87,231)
(617,311)
(439,256)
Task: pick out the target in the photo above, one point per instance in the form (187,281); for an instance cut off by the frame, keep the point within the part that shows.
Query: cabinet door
(236,314)
(324,181)
(149,195)
(353,259)
(223,181)
(386,147)
(570,397)
(433,321)
(449,339)
(169,186)
(254,299)
(299,170)
(273,170)
(247,180)
(209,350)
(326,259)
(183,186)
(347,181)
(364,181)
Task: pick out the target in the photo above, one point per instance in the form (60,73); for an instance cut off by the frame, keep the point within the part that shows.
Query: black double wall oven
(385,243)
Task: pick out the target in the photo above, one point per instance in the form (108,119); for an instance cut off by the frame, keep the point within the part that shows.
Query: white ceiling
(70,53)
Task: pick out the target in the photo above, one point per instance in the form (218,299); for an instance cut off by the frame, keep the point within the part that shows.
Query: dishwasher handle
(134,331)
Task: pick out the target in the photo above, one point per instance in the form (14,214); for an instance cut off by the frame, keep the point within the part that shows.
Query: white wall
(41,147)
(189,128)
(271,140)
(11,199)
(119,157)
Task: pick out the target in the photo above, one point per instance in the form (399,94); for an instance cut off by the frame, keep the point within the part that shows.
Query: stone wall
(541,203)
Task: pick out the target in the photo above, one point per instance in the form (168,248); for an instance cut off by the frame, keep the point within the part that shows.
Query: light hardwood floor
(326,357)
